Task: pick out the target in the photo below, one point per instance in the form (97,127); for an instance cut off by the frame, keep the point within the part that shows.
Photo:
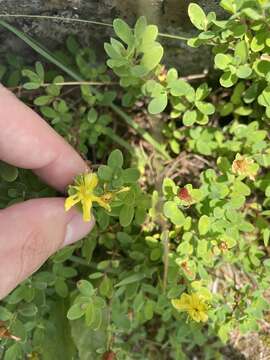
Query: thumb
(32,231)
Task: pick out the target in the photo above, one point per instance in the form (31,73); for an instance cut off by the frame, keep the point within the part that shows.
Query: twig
(69,83)
(202,159)
(93,22)
(165,258)
(57,18)
(195,76)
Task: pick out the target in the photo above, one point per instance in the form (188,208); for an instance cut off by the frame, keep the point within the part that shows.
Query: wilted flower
(184,195)
(245,166)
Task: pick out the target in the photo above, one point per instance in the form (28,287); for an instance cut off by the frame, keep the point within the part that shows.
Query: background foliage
(196,217)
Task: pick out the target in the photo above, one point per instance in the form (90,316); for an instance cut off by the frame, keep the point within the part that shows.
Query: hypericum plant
(136,60)
(241,46)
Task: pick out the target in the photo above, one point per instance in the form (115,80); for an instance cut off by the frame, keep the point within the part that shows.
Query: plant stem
(93,22)
(57,18)
(165,236)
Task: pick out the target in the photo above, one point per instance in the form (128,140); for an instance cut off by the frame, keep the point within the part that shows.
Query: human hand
(33,230)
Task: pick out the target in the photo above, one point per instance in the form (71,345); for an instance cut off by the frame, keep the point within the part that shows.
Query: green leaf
(148,310)
(228,79)
(40,70)
(222,61)
(31,85)
(123,31)
(258,42)
(185,248)
(92,116)
(179,87)
(126,215)
(205,108)
(81,334)
(262,67)
(5,314)
(14,352)
(243,71)
(85,288)
(204,225)
(158,104)
(115,159)
(140,27)
(105,287)
(172,212)
(266,236)
(8,172)
(43,100)
(90,313)
(148,39)
(152,57)
(264,97)
(131,279)
(75,312)
(252,14)
(130,175)
(228,5)
(33,77)
(28,310)
(241,51)
(224,332)
(105,173)
(61,288)
(189,117)
(155,254)
(112,52)
(72,45)
(49,112)
(197,16)
(63,254)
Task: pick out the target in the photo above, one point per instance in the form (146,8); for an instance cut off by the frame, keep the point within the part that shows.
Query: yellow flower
(194,305)
(83,190)
(244,166)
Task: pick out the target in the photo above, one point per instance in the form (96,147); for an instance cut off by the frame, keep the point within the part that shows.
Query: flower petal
(90,181)
(182,304)
(195,315)
(71,201)
(86,205)
(203,316)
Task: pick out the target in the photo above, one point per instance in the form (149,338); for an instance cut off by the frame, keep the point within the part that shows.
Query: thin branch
(165,259)
(70,83)
(93,22)
(195,76)
(57,18)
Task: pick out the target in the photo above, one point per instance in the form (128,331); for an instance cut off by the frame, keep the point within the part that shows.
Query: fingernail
(77,229)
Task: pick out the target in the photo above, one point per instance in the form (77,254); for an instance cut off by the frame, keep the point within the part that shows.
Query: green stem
(50,57)
(93,22)
(58,18)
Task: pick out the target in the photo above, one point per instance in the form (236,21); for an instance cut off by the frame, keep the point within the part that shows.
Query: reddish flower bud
(184,195)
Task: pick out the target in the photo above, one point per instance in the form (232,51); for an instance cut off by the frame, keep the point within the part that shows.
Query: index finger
(27,141)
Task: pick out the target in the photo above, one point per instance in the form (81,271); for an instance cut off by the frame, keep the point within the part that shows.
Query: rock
(170,16)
